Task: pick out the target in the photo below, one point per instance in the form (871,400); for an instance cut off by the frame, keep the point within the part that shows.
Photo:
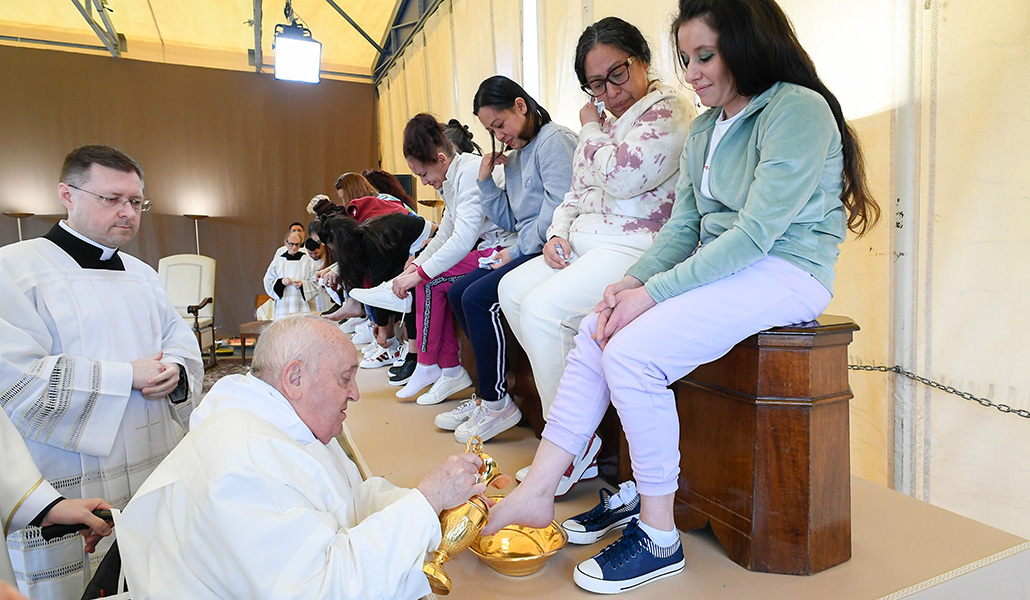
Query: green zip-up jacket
(777,175)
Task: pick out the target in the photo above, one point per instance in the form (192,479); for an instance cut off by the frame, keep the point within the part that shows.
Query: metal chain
(1005,408)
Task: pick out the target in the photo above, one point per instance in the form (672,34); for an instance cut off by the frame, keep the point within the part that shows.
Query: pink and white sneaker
(583,467)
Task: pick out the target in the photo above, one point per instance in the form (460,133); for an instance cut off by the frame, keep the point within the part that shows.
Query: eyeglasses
(138,204)
(617,76)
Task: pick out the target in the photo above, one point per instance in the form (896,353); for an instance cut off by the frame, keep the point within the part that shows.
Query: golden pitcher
(461,524)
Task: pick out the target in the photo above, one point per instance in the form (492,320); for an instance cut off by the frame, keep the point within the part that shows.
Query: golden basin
(516,550)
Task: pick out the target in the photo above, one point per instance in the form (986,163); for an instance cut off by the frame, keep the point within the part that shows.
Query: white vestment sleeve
(51,398)
(70,401)
(23,491)
(272,275)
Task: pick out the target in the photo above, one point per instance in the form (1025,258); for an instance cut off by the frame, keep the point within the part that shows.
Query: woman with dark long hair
(770,181)
(465,235)
(537,175)
(369,254)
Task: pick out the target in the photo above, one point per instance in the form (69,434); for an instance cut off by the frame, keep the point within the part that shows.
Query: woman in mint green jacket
(771,178)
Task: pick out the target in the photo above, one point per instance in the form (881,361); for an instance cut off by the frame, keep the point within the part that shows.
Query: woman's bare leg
(532,502)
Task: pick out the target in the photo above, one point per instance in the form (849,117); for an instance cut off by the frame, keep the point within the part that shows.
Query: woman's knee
(626,356)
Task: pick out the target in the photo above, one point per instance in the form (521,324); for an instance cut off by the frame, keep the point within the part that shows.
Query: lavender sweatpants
(663,344)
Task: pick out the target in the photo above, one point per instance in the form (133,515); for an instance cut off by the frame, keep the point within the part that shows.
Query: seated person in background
(389,187)
(260,500)
(371,254)
(290,279)
(324,301)
(362,201)
(298,228)
(28,499)
(537,175)
(771,179)
(465,236)
(611,214)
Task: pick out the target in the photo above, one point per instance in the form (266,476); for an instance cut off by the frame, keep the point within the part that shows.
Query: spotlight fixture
(297,56)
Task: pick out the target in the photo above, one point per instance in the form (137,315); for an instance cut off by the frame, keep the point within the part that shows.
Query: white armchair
(190,281)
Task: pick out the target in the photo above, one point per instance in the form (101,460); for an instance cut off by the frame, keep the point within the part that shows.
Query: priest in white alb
(290,278)
(95,363)
(259,500)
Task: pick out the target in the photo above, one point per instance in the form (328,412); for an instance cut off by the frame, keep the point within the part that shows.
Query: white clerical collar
(106,253)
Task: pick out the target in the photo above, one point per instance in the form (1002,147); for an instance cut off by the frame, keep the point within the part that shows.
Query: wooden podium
(764,449)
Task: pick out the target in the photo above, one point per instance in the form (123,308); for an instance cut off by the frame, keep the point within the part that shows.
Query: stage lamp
(297,56)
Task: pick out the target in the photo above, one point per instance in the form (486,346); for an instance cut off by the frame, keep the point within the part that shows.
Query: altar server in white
(260,501)
(94,361)
(28,499)
(290,278)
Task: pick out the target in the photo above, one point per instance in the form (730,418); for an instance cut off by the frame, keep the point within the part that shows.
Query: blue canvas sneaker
(634,560)
(612,512)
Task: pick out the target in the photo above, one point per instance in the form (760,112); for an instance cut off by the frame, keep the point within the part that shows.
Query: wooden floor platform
(902,548)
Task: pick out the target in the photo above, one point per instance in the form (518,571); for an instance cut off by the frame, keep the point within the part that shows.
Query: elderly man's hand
(155,379)
(453,482)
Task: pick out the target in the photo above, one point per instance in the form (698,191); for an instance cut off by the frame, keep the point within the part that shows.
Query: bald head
(312,364)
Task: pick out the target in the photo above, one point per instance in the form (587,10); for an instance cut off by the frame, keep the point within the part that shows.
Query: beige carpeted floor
(898,542)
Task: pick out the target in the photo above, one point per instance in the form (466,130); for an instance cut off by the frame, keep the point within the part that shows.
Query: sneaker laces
(463,406)
(599,512)
(478,415)
(629,545)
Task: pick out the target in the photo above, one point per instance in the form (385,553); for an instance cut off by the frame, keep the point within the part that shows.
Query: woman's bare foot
(350,308)
(523,506)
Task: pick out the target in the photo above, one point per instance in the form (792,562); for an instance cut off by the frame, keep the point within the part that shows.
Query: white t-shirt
(721,126)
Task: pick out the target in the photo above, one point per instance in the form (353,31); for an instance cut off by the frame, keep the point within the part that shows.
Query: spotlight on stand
(297,56)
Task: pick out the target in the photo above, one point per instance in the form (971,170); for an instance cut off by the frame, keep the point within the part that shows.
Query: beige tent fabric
(936,94)
(208,34)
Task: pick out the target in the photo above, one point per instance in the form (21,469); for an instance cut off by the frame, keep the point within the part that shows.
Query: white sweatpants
(544,306)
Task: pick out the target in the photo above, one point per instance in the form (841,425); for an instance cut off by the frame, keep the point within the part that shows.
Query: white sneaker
(580,468)
(487,423)
(452,418)
(589,473)
(350,325)
(371,350)
(403,356)
(444,387)
(384,358)
(577,471)
(382,296)
(363,333)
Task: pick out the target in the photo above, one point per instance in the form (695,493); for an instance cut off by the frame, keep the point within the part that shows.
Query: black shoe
(404,371)
(407,357)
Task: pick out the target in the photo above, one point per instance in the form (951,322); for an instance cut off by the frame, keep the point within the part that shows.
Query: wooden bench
(764,445)
(765,455)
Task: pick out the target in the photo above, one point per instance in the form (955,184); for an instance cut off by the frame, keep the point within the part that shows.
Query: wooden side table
(252,329)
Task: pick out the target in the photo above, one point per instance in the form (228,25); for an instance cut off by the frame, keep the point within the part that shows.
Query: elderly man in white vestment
(260,501)
(95,363)
(290,278)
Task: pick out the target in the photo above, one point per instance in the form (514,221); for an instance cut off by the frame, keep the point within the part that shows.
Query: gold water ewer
(461,524)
